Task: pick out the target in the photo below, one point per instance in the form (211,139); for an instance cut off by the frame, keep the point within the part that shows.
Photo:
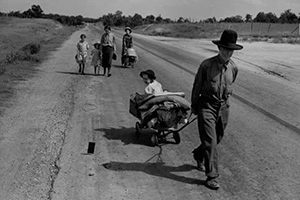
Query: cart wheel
(154,139)
(138,128)
(176,137)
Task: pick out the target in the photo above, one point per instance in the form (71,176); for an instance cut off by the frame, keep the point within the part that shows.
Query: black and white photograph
(150,100)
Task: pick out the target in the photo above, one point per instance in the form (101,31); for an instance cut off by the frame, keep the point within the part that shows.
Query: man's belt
(214,101)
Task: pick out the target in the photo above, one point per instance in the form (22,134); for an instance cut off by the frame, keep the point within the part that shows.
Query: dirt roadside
(33,129)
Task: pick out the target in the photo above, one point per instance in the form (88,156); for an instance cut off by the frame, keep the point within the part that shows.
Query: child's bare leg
(83,65)
(108,73)
(79,71)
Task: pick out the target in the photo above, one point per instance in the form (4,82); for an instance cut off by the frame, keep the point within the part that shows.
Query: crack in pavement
(64,111)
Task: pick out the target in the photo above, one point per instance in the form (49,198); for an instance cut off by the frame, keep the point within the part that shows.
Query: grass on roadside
(24,44)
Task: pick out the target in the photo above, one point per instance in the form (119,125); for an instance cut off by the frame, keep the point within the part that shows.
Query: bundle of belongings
(160,111)
(132,53)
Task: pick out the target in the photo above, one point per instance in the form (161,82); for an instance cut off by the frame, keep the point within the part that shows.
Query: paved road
(45,136)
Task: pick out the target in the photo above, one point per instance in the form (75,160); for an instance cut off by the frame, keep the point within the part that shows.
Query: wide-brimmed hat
(150,74)
(128,28)
(97,42)
(228,40)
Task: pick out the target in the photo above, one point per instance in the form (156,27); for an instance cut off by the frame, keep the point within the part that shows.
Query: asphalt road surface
(45,136)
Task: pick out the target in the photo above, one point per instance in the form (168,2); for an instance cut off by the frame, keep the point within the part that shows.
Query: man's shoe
(212,183)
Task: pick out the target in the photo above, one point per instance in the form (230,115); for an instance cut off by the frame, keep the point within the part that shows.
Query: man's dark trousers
(212,121)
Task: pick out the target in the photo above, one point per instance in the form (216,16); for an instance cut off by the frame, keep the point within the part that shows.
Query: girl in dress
(96,55)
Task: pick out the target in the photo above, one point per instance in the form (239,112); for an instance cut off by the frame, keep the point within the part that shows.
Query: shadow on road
(76,73)
(158,169)
(126,135)
(121,67)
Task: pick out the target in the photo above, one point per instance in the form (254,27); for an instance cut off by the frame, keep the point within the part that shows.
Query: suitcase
(133,109)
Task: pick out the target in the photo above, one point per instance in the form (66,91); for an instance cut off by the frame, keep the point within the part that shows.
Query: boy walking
(210,101)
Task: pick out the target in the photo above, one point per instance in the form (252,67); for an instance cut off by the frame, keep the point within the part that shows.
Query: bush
(31,48)
(24,54)
(20,56)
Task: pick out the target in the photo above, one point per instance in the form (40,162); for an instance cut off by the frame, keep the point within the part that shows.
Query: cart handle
(189,121)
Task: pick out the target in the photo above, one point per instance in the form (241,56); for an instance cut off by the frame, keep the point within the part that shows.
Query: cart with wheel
(165,114)
(130,57)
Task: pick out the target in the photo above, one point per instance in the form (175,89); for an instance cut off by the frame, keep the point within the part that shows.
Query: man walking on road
(210,101)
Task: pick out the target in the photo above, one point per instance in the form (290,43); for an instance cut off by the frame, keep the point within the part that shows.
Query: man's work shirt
(213,80)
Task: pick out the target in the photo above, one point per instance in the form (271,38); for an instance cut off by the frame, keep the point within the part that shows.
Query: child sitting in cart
(159,110)
(163,104)
(153,86)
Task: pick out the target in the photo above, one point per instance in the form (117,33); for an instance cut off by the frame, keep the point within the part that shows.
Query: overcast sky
(194,9)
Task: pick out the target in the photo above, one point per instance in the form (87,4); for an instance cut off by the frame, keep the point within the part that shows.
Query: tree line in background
(37,12)
(118,19)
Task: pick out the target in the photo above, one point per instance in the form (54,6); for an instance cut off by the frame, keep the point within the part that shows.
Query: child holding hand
(96,55)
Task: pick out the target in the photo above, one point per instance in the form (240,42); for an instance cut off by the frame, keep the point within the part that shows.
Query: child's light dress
(82,50)
(96,57)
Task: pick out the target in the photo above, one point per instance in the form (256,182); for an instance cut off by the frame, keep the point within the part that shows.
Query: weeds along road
(45,136)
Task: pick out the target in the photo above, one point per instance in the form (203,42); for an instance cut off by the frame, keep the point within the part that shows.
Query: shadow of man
(158,169)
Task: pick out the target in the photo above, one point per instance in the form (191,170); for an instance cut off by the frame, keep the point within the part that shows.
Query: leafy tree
(118,18)
(248,18)
(15,14)
(37,11)
(187,20)
(288,17)
(149,19)
(210,20)
(136,20)
(234,19)
(28,13)
(261,17)
(272,17)
(180,20)
(167,20)
(158,19)
(108,19)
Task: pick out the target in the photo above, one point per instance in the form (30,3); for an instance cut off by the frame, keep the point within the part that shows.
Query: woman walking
(108,46)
